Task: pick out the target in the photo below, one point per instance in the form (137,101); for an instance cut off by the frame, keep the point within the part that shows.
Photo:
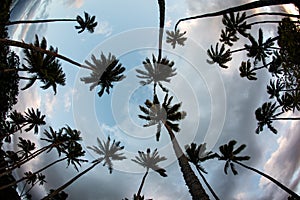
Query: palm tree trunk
(23,178)
(142,184)
(272,13)
(39,21)
(32,47)
(271,179)
(161,4)
(195,188)
(58,190)
(286,118)
(247,6)
(207,184)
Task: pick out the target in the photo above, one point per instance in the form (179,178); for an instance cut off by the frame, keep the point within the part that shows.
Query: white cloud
(50,103)
(103,28)
(74,3)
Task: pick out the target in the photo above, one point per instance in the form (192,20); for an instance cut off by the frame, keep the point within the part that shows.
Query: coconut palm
(45,68)
(230,155)
(105,71)
(107,151)
(221,57)
(34,119)
(197,155)
(165,114)
(175,37)
(274,89)
(236,24)
(157,71)
(247,71)
(149,161)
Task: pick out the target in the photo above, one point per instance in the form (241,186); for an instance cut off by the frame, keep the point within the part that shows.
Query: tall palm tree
(45,68)
(230,155)
(107,151)
(165,114)
(149,161)
(243,7)
(88,23)
(196,155)
(105,71)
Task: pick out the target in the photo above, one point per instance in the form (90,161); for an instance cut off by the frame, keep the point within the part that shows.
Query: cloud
(103,28)
(74,3)
(49,104)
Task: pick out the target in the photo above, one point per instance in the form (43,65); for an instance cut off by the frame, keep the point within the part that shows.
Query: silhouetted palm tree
(149,161)
(197,155)
(87,24)
(236,24)
(157,71)
(246,70)
(165,114)
(221,57)
(175,37)
(107,151)
(230,155)
(45,68)
(105,71)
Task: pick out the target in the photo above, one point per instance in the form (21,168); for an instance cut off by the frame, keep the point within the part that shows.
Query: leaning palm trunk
(39,21)
(161,4)
(294,195)
(247,6)
(207,184)
(67,184)
(195,188)
(142,184)
(41,50)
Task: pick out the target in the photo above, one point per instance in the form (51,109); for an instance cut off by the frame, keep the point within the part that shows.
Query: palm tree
(161,5)
(230,155)
(108,152)
(196,155)
(45,68)
(166,114)
(246,6)
(221,57)
(105,71)
(175,37)
(149,161)
(157,71)
(87,24)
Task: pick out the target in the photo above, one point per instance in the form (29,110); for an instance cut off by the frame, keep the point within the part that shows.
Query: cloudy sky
(219,104)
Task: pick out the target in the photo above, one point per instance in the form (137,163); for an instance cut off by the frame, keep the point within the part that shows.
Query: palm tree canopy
(229,154)
(219,56)
(175,37)
(158,114)
(45,68)
(34,119)
(88,23)
(247,71)
(198,154)
(150,161)
(264,116)
(108,152)
(105,71)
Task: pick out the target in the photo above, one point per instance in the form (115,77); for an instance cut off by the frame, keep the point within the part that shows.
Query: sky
(219,104)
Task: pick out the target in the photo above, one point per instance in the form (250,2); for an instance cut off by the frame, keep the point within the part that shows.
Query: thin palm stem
(286,118)
(41,50)
(142,183)
(195,188)
(247,6)
(207,184)
(161,4)
(271,179)
(269,21)
(58,190)
(38,21)
(272,13)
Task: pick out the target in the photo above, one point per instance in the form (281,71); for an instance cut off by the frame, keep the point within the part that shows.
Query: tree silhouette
(219,56)
(149,161)
(175,37)
(230,155)
(105,71)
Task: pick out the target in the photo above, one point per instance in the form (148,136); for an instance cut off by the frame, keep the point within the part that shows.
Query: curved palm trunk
(271,179)
(61,188)
(247,6)
(207,184)
(32,47)
(195,188)
(39,21)
(142,184)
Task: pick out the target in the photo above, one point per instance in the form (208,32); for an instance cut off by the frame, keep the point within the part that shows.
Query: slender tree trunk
(39,21)
(195,188)
(247,6)
(23,178)
(207,184)
(271,179)
(58,190)
(286,118)
(273,13)
(38,49)
(161,4)
(142,184)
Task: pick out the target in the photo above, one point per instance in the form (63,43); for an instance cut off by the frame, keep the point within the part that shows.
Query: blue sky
(220,105)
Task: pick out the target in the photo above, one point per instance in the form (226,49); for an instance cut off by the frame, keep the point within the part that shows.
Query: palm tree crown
(88,23)
(165,113)
(108,152)
(105,72)
(219,56)
(175,37)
